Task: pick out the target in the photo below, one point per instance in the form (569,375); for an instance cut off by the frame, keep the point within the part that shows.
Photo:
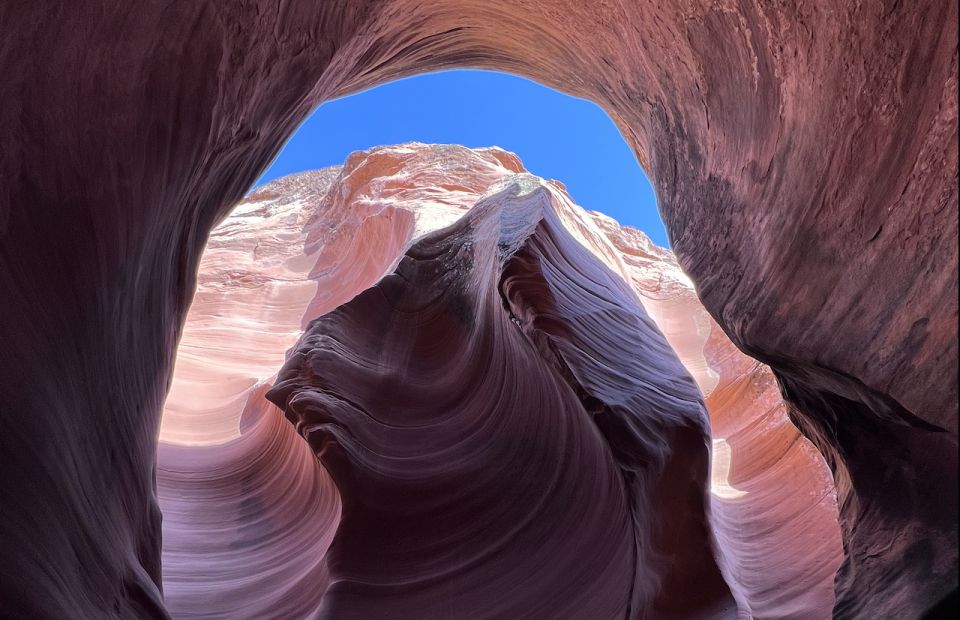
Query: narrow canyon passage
(805,161)
(297,248)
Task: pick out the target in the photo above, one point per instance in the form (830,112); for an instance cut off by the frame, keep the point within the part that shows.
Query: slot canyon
(426,383)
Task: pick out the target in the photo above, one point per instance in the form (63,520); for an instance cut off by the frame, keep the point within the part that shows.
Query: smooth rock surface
(774,503)
(246,523)
(490,462)
(804,155)
(248,511)
(202,484)
(291,251)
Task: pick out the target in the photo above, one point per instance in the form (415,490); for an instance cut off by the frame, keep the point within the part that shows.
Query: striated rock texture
(804,155)
(246,523)
(774,505)
(248,512)
(490,462)
(297,248)
(254,283)
(218,517)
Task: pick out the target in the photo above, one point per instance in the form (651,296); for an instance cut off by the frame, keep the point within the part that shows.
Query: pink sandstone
(406,192)
(804,156)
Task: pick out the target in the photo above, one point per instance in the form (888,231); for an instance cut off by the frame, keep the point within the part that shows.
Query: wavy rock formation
(253,285)
(248,515)
(774,504)
(234,483)
(490,462)
(246,523)
(293,250)
(804,155)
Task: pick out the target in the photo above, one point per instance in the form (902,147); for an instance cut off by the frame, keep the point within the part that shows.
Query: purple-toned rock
(510,434)
(804,155)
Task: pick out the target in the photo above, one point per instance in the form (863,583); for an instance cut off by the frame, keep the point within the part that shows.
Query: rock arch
(805,162)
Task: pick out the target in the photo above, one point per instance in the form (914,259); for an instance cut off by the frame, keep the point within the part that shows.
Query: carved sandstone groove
(225,509)
(448,415)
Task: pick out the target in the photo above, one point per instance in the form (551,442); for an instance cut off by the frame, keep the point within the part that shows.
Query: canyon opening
(494,402)
(301,246)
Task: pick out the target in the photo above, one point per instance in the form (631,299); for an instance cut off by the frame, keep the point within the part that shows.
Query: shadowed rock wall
(804,156)
(489,462)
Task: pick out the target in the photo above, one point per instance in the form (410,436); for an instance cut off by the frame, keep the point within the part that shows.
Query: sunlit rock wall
(248,515)
(406,192)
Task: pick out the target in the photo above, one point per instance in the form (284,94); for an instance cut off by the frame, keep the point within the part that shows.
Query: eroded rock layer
(247,515)
(293,250)
(469,397)
(219,492)
(774,504)
(246,523)
(804,155)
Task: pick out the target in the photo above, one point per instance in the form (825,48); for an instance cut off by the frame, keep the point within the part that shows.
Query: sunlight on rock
(720,472)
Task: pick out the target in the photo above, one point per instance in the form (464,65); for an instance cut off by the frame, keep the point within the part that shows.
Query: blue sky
(557,136)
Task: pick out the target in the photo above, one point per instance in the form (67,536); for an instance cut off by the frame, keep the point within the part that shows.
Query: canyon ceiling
(805,161)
